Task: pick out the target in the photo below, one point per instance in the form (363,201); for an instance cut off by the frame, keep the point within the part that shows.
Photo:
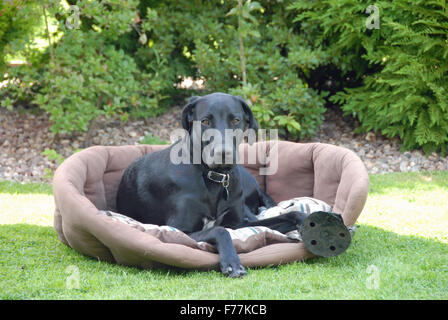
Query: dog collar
(220,178)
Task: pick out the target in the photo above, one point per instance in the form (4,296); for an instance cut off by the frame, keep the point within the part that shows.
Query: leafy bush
(17,26)
(126,55)
(280,55)
(221,42)
(403,65)
(90,79)
(84,74)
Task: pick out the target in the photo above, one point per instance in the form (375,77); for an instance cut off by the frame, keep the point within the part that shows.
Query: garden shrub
(126,56)
(203,36)
(90,79)
(17,27)
(84,74)
(403,65)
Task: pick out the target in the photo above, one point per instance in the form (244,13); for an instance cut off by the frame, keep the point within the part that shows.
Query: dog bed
(85,187)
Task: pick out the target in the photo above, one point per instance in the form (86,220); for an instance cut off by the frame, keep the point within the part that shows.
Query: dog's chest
(222,207)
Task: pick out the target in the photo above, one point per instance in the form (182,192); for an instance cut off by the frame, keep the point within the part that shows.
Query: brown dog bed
(87,182)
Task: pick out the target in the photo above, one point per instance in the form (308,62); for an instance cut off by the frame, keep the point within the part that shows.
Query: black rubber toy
(325,234)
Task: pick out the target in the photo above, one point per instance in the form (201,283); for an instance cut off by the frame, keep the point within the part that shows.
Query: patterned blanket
(303,204)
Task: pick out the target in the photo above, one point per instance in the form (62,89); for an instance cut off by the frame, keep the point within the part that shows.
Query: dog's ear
(187,113)
(250,116)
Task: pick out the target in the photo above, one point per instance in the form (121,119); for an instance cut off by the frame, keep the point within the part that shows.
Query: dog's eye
(205,122)
(235,121)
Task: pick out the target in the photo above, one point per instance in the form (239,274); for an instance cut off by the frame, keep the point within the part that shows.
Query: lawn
(400,251)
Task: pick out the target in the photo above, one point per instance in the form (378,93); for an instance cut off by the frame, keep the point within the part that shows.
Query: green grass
(400,251)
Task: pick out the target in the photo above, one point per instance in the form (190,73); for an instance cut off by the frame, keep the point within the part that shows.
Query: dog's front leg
(229,261)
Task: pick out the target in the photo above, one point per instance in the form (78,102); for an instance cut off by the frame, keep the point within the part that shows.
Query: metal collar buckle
(224,178)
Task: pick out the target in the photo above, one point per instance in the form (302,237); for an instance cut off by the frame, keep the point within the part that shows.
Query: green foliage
(403,65)
(17,27)
(150,139)
(53,155)
(90,79)
(205,35)
(84,74)
(127,55)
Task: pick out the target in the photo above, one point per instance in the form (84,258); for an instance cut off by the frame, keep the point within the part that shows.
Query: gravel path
(24,136)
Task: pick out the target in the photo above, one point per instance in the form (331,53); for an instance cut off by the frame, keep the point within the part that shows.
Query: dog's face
(218,120)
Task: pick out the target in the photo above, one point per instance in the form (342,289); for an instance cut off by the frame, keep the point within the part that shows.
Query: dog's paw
(232,268)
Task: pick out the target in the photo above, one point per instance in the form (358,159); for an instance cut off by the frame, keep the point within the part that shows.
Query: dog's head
(219,121)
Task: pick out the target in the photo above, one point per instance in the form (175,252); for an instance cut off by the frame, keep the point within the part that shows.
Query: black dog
(205,198)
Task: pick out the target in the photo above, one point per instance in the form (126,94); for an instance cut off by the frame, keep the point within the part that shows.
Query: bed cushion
(87,182)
